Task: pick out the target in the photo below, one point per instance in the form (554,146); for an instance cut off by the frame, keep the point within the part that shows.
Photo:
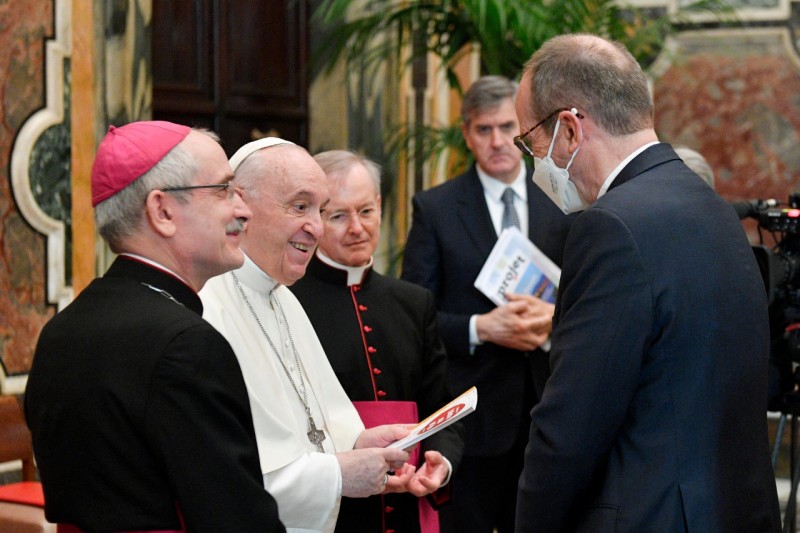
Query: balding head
(598,77)
(263,166)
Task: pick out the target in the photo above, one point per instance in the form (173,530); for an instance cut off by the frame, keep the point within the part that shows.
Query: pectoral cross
(316,436)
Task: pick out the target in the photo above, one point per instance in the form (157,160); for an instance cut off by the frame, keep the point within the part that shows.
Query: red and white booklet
(455,410)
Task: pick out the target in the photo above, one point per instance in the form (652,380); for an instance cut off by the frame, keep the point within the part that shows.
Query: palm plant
(373,34)
(507,31)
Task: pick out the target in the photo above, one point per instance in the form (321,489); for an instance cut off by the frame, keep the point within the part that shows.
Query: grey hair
(121,215)
(486,94)
(594,75)
(337,162)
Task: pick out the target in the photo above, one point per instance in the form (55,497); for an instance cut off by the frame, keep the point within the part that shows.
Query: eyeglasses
(364,216)
(524,148)
(227,187)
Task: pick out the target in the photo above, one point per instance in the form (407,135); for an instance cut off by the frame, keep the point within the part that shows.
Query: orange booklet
(455,410)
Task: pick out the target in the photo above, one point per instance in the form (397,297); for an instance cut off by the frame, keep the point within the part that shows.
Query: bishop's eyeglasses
(229,189)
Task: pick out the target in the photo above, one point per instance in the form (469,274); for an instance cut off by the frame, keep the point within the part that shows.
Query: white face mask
(555,181)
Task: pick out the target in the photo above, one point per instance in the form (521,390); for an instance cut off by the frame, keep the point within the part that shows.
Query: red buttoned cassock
(380,337)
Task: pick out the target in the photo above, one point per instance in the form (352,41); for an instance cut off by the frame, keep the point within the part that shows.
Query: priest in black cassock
(379,334)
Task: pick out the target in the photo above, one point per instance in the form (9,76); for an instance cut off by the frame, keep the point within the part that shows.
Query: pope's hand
(364,471)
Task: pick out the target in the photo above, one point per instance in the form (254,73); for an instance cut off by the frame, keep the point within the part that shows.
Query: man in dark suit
(497,349)
(379,334)
(653,418)
(138,409)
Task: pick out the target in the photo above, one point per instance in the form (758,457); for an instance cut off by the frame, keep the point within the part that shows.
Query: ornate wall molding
(57,50)
(730,93)
(776,40)
(745,10)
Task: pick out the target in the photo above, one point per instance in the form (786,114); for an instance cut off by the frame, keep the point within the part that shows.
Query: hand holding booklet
(516,265)
(455,410)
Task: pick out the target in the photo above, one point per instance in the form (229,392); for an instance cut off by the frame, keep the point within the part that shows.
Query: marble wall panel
(24,26)
(36,150)
(734,96)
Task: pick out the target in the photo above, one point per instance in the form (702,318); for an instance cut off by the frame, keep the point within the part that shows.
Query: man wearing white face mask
(653,418)
(554,181)
(496,348)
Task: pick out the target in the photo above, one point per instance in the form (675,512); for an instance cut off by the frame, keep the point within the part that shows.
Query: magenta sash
(391,412)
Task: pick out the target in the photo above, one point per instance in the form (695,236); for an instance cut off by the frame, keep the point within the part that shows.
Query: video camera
(779,265)
(780,271)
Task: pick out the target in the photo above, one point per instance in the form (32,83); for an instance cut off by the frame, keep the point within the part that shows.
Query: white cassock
(306,484)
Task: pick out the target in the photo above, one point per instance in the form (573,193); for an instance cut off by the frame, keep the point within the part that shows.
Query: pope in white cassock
(311,442)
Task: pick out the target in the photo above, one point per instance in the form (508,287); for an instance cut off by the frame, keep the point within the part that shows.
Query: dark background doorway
(237,67)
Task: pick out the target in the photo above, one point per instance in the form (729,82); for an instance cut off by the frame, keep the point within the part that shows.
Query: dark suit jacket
(451,236)
(136,404)
(380,337)
(654,415)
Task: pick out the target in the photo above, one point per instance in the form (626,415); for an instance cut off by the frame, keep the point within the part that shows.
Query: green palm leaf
(506,31)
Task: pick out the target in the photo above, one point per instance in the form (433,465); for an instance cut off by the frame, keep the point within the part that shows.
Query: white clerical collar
(614,173)
(251,275)
(355,275)
(154,264)
(495,188)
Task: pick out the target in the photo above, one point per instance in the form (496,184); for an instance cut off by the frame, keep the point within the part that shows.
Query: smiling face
(490,138)
(207,239)
(286,223)
(352,218)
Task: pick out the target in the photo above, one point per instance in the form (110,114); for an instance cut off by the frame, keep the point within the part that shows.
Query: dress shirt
(493,191)
(610,179)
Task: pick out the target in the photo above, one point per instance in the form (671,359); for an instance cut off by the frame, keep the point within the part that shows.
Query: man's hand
(364,471)
(427,479)
(399,481)
(524,323)
(430,475)
(539,311)
(382,436)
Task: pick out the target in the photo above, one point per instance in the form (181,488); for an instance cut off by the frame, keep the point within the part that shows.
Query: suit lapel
(652,157)
(474,213)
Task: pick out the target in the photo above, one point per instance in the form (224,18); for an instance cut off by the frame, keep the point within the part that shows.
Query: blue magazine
(517,265)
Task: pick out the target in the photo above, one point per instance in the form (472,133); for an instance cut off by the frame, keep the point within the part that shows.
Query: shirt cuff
(449,472)
(473,334)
